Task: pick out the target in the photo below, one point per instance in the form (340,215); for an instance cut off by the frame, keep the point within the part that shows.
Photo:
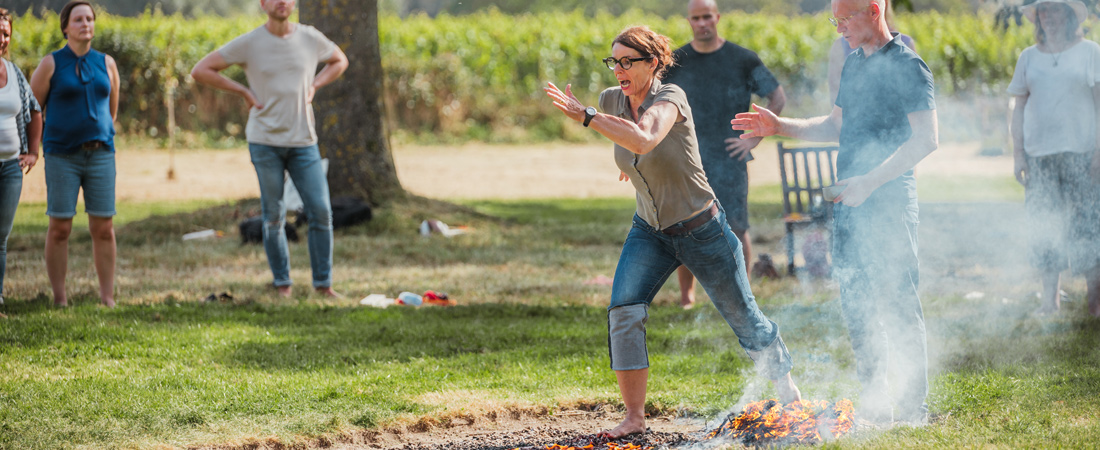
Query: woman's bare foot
(788,392)
(687,302)
(61,304)
(630,425)
(107,302)
(283,291)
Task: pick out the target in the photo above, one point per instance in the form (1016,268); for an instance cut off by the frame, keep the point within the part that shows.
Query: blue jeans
(714,255)
(304,166)
(67,173)
(875,263)
(11,184)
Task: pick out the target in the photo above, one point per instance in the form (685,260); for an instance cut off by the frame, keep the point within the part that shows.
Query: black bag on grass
(252,231)
(349,211)
(346,212)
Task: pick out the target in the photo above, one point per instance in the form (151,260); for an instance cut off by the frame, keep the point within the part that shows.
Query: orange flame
(768,421)
(764,422)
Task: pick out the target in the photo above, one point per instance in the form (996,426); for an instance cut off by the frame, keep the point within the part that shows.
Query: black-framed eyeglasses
(625,62)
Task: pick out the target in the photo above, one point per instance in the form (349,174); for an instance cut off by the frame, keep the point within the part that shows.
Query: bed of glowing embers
(763,423)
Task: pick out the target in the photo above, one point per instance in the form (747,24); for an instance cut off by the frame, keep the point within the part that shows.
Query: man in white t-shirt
(280,61)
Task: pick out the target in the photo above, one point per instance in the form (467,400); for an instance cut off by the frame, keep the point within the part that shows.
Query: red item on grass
(438,299)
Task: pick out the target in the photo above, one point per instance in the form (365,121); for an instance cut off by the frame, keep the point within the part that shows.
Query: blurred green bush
(480,76)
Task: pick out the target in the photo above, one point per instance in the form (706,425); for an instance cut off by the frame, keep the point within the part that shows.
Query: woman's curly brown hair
(648,43)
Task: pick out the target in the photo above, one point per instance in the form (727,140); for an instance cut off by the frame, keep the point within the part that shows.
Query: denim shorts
(67,173)
(729,179)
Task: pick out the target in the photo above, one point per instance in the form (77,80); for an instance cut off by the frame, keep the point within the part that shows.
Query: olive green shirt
(669,180)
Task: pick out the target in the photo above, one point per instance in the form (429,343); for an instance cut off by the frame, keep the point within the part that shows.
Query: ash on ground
(539,438)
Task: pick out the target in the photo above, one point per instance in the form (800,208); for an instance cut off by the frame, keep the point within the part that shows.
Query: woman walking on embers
(678,220)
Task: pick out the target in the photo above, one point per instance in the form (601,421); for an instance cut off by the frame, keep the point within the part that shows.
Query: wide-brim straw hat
(1079,9)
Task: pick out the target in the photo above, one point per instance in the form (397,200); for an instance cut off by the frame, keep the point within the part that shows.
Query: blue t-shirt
(78,105)
(877,94)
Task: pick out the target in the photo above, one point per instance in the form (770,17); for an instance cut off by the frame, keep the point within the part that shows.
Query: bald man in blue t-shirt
(885,120)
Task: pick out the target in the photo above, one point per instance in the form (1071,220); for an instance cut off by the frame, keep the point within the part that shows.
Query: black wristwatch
(589,113)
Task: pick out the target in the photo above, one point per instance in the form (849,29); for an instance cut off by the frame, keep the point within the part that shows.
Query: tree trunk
(350,111)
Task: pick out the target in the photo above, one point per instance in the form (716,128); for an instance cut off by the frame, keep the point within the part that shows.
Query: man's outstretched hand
(761,123)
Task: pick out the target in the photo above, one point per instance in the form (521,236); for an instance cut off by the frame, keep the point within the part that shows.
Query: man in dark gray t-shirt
(720,78)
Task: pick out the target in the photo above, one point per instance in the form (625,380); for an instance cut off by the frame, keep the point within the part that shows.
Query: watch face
(591,110)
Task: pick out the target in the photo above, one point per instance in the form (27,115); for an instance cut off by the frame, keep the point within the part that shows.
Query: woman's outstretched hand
(761,123)
(566,101)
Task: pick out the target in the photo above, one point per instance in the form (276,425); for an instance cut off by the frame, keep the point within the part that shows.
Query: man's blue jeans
(713,254)
(304,166)
(875,263)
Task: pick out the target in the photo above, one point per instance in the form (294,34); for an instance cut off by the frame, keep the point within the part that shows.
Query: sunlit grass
(165,368)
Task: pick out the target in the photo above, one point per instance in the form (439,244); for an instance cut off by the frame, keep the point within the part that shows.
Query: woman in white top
(1056,86)
(20,133)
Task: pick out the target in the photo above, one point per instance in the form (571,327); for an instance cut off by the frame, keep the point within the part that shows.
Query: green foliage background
(479,76)
(137,7)
(662,8)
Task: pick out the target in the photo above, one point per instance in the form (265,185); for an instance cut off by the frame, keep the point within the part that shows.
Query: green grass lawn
(165,368)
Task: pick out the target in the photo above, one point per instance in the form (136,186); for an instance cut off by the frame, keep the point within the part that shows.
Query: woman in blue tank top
(78,87)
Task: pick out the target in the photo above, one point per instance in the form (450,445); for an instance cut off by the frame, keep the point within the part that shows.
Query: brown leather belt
(687,226)
(92,145)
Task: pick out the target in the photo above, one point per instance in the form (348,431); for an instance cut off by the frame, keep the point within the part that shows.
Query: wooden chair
(804,172)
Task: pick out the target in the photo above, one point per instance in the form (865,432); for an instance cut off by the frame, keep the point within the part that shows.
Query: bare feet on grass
(283,291)
(788,392)
(687,301)
(328,292)
(107,302)
(630,425)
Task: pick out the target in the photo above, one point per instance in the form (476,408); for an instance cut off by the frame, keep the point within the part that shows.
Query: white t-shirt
(10,105)
(280,71)
(1060,115)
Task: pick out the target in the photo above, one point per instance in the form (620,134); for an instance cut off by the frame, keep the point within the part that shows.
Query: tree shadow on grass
(304,338)
(364,336)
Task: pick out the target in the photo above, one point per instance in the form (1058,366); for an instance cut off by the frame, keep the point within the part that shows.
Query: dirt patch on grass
(506,428)
(470,171)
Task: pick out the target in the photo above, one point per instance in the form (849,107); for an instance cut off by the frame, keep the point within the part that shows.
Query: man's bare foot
(283,291)
(61,304)
(107,302)
(328,292)
(788,392)
(630,425)
(687,302)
